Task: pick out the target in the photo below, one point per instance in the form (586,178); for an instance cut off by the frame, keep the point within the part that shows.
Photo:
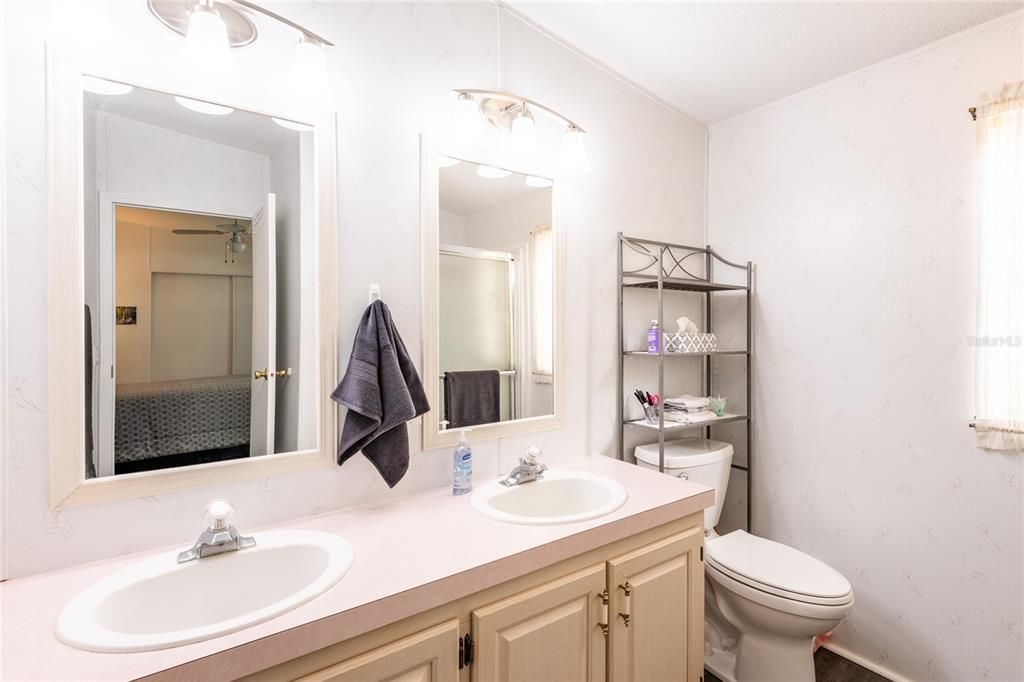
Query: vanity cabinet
(631,611)
(656,596)
(426,656)
(552,633)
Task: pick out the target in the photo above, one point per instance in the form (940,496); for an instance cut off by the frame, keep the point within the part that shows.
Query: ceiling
(240,129)
(172,220)
(715,60)
(465,193)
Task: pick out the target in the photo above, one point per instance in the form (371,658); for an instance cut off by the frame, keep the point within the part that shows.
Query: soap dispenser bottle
(654,338)
(462,466)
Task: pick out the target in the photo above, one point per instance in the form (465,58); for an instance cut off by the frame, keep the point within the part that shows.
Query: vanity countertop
(408,559)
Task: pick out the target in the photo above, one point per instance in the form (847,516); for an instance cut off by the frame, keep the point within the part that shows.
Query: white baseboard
(863,662)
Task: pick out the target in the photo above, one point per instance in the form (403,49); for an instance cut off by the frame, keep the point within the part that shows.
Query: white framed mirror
(491,298)
(191,286)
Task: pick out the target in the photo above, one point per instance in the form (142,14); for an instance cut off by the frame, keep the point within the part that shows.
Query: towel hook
(374,292)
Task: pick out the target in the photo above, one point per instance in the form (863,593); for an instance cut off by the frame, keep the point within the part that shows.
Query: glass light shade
(535,181)
(203,107)
(467,125)
(309,83)
(573,157)
(446,161)
(292,125)
(206,56)
(238,246)
(101,86)
(492,172)
(522,139)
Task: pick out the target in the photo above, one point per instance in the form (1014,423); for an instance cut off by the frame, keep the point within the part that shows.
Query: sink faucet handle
(219,514)
(533,454)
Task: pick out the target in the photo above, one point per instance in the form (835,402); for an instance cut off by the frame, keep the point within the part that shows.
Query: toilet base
(764,661)
(721,664)
(769,658)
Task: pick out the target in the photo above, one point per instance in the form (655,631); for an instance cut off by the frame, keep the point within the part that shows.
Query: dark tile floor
(830,667)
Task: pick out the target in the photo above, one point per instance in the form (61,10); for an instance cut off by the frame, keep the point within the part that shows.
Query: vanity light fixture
(101,86)
(213,27)
(512,116)
(492,172)
(536,181)
(202,107)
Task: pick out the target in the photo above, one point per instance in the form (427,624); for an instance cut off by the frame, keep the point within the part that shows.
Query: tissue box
(690,342)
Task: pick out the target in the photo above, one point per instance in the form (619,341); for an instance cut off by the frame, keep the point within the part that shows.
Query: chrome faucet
(529,469)
(219,537)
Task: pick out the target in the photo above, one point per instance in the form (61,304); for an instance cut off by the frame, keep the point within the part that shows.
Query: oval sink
(159,603)
(558,497)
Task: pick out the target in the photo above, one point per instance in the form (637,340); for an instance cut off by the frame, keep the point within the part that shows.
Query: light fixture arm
(252,6)
(515,100)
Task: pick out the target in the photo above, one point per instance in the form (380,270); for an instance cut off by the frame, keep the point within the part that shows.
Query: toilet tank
(699,460)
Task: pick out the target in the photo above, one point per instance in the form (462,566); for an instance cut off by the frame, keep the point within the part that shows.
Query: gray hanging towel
(472,397)
(382,391)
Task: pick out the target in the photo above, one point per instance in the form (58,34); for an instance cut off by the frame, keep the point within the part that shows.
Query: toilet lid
(775,567)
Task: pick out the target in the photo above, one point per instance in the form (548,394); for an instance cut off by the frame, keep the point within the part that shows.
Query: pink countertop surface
(408,559)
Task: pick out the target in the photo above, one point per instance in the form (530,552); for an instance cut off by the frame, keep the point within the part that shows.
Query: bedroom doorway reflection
(183,332)
(179,346)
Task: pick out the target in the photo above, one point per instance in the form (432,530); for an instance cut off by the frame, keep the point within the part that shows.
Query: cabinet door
(552,633)
(656,611)
(428,656)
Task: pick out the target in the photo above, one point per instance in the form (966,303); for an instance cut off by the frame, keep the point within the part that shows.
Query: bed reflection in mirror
(495,289)
(200,334)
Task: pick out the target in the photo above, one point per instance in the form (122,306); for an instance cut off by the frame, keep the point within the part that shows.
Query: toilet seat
(776,569)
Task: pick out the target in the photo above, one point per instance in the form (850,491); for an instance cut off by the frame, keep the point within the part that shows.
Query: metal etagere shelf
(670,268)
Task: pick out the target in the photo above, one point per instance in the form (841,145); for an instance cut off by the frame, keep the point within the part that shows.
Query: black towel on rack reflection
(472,397)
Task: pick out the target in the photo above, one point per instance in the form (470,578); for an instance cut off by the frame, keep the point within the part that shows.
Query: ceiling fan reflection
(237,243)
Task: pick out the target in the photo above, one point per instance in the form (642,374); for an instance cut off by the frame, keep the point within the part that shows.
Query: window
(999,342)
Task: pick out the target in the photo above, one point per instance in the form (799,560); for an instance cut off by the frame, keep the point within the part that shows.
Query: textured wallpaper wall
(393,69)
(855,200)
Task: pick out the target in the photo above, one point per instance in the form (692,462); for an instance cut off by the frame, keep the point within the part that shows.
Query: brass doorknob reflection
(266,373)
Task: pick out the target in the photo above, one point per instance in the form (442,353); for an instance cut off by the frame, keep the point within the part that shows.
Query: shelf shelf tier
(677,267)
(676,426)
(679,284)
(643,353)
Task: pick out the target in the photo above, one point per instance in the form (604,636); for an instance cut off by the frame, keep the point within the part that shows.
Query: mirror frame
(433,437)
(66,295)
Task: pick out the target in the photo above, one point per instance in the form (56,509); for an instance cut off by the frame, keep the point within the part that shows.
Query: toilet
(764,601)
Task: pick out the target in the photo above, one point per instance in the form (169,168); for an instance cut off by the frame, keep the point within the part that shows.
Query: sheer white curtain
(999,343)
(542,268)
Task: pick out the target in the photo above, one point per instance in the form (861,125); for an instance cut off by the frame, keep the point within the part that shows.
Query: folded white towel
(688,402)
(690,417)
